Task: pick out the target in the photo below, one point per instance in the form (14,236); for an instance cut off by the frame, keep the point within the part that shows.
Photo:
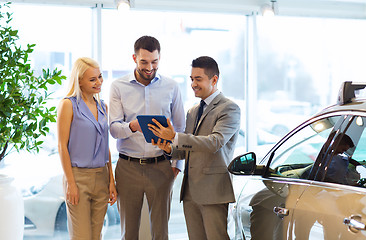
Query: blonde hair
(77,73)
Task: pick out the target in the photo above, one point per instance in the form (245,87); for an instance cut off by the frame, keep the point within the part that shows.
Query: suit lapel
(209,108)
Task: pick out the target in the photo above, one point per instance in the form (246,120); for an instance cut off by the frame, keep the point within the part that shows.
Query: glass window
(61,35)
(59,40)
(183,37)
(359,153)
(345,161)
(301,63)
(296,156)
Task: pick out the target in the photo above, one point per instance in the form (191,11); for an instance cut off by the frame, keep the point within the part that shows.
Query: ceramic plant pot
(11,210)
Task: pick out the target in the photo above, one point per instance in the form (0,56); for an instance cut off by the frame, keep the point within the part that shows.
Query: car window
(345,160)
(360,151)
(295,157)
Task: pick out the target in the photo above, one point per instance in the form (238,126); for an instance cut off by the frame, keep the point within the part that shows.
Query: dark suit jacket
(210,150)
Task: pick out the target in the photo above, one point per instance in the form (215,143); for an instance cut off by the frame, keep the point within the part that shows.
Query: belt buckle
(143,161)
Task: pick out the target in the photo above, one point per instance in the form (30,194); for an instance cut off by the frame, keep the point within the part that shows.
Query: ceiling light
(359,121)
(122,5)
(269,9)
(319,127)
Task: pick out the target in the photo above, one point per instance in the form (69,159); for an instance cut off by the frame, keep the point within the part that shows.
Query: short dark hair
(148,43)
(345,139)
(208,64)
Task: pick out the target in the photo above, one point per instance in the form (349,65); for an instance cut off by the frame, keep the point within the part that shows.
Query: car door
(254,208)
(335,208)
(266,204)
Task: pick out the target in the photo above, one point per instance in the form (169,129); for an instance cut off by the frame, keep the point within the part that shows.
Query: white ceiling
(315,8)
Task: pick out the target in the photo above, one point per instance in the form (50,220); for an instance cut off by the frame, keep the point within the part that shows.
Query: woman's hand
(72,194)
(112,193)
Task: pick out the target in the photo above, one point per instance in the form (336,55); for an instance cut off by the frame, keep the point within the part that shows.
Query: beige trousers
(205,222)
(133,180)
(85,220)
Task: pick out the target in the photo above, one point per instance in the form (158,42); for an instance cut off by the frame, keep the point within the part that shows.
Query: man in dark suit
(207,146)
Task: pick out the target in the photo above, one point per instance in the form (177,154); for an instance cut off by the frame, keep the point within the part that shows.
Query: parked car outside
(39,178)
(45,211)
(291,194)
(280,116)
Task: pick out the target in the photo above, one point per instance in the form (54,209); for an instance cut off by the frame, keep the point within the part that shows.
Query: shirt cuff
(128,130)
(175,141)
(168,155)
(178,164)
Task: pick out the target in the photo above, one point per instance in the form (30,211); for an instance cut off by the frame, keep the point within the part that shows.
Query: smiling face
(147,64)
(92,81)
(202,85)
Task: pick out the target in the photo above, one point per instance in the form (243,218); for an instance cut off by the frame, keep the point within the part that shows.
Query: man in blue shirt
(338,167)
(142,169)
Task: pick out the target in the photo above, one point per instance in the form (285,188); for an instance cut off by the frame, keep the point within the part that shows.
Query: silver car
(45,212)
(39,177)
(311,184)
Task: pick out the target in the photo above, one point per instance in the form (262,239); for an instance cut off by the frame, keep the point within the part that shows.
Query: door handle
(354,223)
(280,211)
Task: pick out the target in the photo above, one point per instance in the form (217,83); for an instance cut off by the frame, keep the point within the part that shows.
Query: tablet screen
(146,119)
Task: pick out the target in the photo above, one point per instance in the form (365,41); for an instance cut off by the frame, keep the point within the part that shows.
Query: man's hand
(163,145)
(135,126)
(167,133)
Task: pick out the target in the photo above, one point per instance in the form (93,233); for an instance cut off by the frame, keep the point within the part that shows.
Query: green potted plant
(24,114)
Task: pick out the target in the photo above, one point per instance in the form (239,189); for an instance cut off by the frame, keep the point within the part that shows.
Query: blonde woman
(82,128)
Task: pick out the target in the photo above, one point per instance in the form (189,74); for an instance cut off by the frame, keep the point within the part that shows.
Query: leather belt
(142,161)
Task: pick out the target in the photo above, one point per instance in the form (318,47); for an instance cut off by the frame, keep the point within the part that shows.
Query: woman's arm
(64,119)
(112,186)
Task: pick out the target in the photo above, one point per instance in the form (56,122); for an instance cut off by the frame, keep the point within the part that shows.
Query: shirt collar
(209,99)
(132,78)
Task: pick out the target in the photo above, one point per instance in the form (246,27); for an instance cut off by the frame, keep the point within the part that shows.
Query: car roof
(356,105)
(346,100)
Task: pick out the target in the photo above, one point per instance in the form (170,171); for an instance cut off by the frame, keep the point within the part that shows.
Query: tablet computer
(146,119)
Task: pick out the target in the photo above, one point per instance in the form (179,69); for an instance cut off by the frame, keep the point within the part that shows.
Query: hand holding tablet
(144,120)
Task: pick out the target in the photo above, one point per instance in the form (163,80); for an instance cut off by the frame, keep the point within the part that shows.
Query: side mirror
(243,164)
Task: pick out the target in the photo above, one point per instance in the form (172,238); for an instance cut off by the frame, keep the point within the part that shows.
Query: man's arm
(179,122)
(118,127)
(225,126)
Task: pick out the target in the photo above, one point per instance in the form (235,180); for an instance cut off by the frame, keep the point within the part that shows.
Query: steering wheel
(361,182)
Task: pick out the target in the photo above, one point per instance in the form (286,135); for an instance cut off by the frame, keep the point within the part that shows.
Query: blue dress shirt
(129,98)
(337,169)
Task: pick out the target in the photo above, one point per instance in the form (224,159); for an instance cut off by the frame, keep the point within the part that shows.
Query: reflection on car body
(290,194)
